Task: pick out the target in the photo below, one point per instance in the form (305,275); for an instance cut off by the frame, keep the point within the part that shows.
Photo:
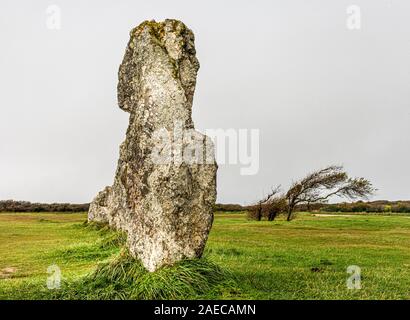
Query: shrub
(267,211)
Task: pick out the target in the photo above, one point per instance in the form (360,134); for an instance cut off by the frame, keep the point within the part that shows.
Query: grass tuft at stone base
(126,278)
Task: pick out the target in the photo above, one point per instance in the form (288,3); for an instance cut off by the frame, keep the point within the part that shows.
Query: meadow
(306,258)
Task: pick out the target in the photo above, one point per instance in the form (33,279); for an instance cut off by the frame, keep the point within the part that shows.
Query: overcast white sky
(319,92)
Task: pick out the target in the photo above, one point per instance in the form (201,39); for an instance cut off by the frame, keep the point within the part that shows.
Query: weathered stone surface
(165,184)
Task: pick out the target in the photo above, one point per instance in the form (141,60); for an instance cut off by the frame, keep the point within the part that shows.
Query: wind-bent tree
(320,185)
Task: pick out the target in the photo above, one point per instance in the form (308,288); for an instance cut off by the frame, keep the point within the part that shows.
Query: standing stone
(165,184)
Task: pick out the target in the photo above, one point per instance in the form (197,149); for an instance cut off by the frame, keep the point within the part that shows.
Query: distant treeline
(229,207)
(374,206)
(25,206)
(360,206)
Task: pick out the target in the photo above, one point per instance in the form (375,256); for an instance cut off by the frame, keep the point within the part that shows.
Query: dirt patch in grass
(7,272)
(333,215)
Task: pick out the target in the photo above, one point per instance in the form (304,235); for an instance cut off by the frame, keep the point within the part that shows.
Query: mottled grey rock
(165,184)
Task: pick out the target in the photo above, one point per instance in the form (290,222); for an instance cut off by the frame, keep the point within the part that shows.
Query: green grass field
(303,259)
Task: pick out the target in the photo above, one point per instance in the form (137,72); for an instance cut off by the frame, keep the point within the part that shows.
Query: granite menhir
(164,188)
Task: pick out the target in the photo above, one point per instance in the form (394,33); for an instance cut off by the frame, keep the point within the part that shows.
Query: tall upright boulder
(165,184)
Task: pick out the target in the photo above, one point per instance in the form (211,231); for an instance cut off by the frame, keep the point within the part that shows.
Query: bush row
(378,207)
(229,207)
(25,206)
